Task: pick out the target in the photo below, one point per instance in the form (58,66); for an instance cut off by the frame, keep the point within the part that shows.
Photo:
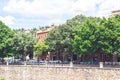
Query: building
(43,34)
(115,12)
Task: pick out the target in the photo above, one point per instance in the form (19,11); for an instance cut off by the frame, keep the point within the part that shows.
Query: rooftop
(115,11)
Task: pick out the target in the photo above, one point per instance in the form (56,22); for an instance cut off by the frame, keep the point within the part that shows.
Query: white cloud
(95,7)
(109,5)
(47,8)
(86,7)
(56,21)
(8,20)
(38,7)
(55,11)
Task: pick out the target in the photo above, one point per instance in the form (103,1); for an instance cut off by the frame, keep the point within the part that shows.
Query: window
(40,37)
(45,35)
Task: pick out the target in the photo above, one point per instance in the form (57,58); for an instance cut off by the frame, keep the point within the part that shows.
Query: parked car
(54,62)
(35,62)
(17,61)
(41,62)
(66,62)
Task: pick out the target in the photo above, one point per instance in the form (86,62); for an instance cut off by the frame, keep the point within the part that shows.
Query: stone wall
(58,73)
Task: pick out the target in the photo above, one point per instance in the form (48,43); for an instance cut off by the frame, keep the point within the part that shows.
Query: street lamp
(48,55)
(48,52)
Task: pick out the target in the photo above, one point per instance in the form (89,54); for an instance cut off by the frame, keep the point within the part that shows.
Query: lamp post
(48,55)
(47,59)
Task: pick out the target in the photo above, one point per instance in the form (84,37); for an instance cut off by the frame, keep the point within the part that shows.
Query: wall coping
(64,67)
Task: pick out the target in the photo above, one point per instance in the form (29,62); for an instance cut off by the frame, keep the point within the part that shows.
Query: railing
(80,64)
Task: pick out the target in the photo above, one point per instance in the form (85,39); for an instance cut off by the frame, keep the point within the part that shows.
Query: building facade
(115,12)
(43,34)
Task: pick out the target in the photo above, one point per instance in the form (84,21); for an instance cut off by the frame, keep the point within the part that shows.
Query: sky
(34,13)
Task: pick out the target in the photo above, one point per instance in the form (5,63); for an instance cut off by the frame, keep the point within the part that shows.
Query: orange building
(41,37)
(43,34)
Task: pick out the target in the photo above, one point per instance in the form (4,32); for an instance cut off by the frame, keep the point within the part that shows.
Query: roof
(47,30)
(39,31)
(115,11)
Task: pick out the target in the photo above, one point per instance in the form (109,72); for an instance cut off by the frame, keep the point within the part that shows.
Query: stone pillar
(25,63)
(119,63)
(46,63)
(101,64)
(7,63)
(71,64)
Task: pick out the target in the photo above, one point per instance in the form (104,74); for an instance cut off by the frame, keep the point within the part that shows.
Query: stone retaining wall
(58,73)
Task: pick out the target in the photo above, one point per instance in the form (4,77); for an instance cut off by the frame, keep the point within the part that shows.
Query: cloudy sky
(33,13)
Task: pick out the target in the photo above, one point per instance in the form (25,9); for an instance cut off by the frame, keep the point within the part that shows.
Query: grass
(2,79)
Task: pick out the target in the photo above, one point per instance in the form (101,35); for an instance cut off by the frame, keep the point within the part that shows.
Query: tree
(96,36)
(40,48)
(6,35)
(23,44)
(76,21)
(60,39)
(86,38)
(112,28)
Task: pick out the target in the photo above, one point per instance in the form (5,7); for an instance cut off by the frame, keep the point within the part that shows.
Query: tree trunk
(24,56)
(115,56)
(63,59)
(38,59)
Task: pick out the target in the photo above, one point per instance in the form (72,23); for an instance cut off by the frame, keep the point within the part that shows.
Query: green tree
(112,33)
(96,36)
(40,48)
(76,21)
(6,35)
(60,39)
(23,44)
(85,40)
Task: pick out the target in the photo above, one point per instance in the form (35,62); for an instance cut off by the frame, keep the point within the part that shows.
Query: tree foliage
(96,36)
(60,39)
(112,33)
(86,39)
(6,35)
(40,48)
(23,44)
